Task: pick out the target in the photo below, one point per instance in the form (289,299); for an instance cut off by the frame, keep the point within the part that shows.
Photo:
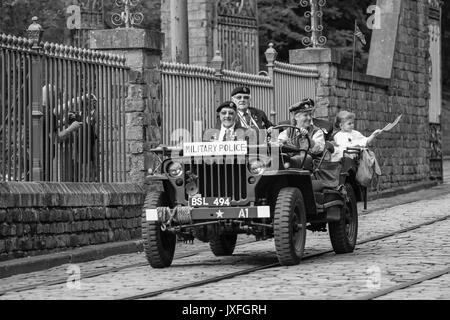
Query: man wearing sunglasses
(249,118)
(228,127)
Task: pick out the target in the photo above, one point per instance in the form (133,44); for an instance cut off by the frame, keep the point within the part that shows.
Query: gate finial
(217,63)
(271,55)
(35,33)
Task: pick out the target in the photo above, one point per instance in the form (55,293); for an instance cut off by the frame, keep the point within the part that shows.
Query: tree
(283,23)
(16,16)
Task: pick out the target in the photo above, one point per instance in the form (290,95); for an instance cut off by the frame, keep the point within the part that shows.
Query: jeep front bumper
(186,215)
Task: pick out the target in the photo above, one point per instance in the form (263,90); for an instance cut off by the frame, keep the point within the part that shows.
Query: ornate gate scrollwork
(435,107)
(436,156)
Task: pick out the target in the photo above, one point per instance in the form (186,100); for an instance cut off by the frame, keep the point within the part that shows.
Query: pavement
(405,195)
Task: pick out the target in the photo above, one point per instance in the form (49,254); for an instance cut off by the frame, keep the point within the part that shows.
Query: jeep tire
(344,233)
(290,226)
(223,245)
(159,246)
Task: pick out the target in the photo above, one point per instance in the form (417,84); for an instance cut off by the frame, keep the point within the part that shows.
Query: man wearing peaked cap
(302,118)
(248,117)
(303,106)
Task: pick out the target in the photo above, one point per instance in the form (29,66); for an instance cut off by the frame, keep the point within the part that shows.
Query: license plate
(262,212)
(197,202)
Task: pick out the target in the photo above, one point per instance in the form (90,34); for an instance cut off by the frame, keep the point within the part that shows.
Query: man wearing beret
(302,118)
(249,118)
(228,129)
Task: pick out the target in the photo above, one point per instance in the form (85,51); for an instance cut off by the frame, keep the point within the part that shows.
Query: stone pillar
(84,16)
(201,15)
(327,61)
(180,31)
(142,49)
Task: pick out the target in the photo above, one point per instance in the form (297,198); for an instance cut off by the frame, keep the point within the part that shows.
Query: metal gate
(237,34)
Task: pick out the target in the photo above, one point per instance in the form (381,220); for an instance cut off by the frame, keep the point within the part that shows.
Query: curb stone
(39,263)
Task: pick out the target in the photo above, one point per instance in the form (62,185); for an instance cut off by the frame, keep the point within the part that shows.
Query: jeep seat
(327,176)
(320,186)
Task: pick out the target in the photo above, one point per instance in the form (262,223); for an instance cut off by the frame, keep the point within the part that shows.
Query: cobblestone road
(400,258)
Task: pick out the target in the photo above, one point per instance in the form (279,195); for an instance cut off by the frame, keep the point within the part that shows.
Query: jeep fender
(300,179)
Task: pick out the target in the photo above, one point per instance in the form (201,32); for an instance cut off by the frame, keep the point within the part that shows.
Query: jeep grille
(221,180)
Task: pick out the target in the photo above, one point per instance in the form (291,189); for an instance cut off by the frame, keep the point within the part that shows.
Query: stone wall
(402,153)
(445,121)
(41,218)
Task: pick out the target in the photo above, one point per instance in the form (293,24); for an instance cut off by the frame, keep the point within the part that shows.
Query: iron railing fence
(190,95)
(15,108)
(291,84)
(261,88)
(187,101)
(63,113)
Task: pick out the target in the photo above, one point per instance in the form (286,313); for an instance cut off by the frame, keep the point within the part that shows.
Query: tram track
(405,285)
(105,271)
(275,265)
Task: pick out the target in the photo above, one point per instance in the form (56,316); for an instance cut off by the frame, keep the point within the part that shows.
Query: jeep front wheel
(290,226)
(223,245)
(159,246)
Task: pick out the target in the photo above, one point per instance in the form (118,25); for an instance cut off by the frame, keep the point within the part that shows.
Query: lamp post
(317,40)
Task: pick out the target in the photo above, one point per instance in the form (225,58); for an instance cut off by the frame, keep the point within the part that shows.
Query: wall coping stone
(315,56)
(364,78)
(122,38)
(54,194)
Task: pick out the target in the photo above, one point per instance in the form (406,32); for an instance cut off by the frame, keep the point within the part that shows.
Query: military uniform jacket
(259,118)
(315,134)
(239,134)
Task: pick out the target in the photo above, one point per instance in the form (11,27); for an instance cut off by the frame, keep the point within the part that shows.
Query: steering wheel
(290,148)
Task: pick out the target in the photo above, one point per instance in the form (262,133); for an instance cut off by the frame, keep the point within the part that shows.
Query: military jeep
(213,191)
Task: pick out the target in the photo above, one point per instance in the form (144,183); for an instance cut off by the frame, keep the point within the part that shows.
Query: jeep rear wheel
(344,233)
(223,245)
(159,246)
(290,226)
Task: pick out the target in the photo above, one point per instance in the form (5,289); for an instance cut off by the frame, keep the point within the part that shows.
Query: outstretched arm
(375,134)
(64,134)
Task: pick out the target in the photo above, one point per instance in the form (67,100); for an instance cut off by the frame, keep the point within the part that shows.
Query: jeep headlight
(175,169)
(256,167)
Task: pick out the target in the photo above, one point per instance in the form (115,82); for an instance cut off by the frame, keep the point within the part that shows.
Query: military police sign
(208,149)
